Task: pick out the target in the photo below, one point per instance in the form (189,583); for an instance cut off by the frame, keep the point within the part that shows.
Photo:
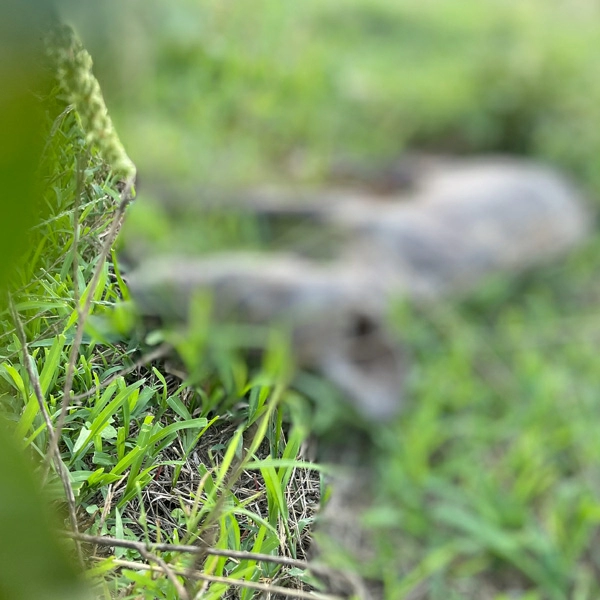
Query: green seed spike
(73,66)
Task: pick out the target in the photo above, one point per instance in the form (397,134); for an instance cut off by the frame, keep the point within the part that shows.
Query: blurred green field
(488,484)
(243,91)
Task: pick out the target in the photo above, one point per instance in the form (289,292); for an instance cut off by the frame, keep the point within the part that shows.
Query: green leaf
(52,363)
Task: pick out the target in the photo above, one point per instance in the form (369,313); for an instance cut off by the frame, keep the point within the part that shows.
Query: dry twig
(103,540)
(82,314)
(169,572)
(55,455)
(253,585)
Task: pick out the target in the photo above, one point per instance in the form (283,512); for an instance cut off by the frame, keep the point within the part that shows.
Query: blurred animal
(459,221)
(436,234)
(333,324)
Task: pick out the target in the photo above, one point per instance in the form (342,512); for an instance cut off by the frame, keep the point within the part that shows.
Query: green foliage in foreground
(488,484)
(149,458)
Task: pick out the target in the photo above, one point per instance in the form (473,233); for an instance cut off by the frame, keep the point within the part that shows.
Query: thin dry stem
(168,571)
(253,585)
(75,245)
(102,540)
(37,390)
(83,312)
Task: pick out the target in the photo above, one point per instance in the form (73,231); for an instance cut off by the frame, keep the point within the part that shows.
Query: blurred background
(218,94)
(488,484)
(237,92)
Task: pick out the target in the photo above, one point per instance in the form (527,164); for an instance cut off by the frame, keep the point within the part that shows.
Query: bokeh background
(242,91)
(488,484)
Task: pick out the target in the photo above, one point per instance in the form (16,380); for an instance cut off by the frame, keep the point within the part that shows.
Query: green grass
(487,485)
(148,456)
(248,91)
(489,479)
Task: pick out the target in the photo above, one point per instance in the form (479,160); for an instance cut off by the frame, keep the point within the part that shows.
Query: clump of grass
(149,457)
